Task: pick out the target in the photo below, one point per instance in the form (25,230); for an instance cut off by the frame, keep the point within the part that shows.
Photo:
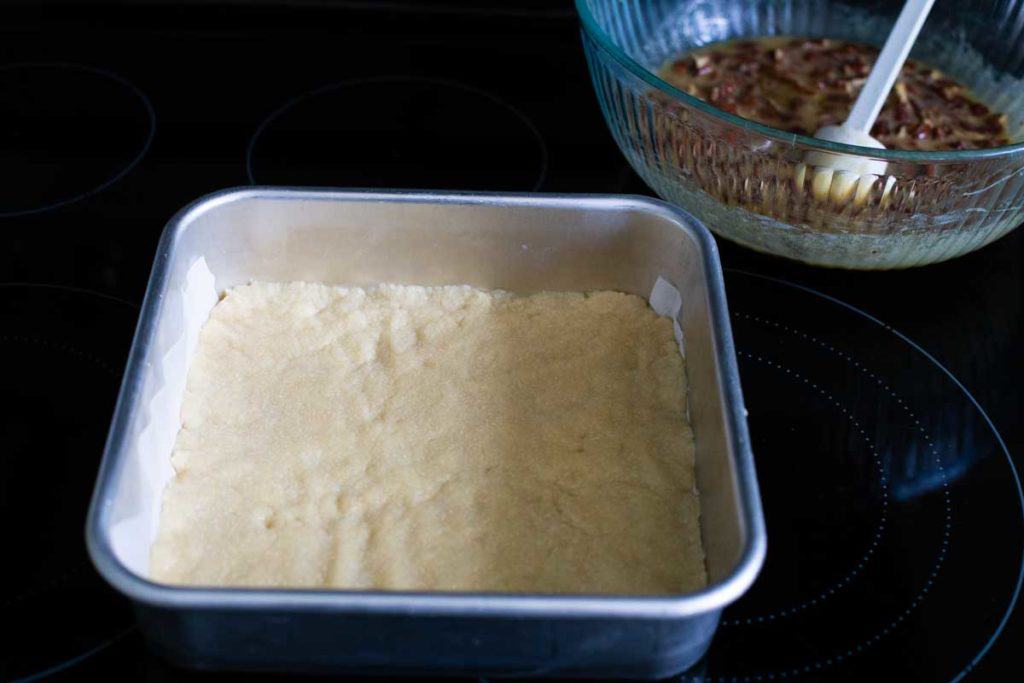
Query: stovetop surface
(884,407)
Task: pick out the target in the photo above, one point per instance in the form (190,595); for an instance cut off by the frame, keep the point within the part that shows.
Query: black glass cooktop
(884,407)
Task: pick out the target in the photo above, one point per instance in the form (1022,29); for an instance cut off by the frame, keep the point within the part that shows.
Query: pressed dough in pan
(433,439)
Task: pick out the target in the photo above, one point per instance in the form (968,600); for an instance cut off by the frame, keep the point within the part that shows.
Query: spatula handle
(887,66)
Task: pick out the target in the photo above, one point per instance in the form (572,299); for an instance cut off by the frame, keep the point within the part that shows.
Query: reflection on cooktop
(894,513)
(62,352)
(67,131)
(398,132)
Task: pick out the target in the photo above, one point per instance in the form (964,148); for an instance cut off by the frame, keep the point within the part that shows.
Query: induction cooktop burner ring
(1000,441)
(877,636)
(77,659)
(910,413)
(421,80)
(124,170)
(65,348)
(72,289)
(90,635)
(98,362)
(850,575)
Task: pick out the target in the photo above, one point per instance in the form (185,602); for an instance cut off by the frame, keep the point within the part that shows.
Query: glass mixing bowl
(743,179)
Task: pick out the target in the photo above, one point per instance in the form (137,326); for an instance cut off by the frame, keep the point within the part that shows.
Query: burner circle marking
(444,83)
(826,662)
(879,530)
(124,170)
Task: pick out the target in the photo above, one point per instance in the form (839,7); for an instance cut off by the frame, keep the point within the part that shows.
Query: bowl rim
(605,42)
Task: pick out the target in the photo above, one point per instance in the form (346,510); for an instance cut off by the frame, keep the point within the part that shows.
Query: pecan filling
(800,85)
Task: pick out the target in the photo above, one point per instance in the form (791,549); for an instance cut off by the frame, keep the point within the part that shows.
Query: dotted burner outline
(879,530)
(827,662)
(106,367)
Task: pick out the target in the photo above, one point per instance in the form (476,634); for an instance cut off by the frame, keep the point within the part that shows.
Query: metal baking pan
(519,242)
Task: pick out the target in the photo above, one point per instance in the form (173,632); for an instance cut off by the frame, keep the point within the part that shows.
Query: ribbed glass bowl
(741,178)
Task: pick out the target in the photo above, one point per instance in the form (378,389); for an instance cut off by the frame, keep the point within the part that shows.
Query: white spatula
(838,176)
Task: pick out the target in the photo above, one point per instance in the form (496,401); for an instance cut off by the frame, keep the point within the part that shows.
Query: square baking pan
(519,242)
